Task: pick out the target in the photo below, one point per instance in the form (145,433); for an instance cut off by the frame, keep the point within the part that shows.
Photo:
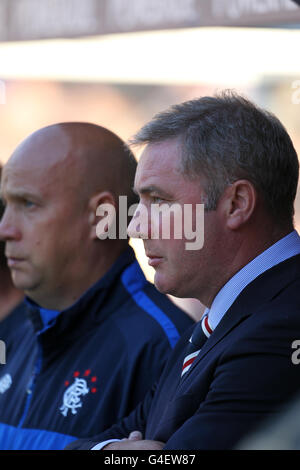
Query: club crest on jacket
(72,398)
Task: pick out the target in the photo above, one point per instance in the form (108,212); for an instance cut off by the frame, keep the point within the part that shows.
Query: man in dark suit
(237,369)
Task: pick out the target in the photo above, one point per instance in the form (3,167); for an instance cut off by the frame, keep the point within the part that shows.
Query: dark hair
(225,138)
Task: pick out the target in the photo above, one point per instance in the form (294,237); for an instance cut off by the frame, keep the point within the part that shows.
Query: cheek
(184,263)
(45,243)
(174,251)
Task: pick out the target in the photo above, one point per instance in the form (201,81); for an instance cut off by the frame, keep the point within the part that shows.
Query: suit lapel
(252,298)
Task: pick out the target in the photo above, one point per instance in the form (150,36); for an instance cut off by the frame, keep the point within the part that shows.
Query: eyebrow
(15,194)
(150,189)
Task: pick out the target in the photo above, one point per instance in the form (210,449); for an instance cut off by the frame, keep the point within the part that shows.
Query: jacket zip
(31,385)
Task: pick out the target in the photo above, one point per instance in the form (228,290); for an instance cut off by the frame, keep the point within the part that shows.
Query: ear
(240,200)
(100,199)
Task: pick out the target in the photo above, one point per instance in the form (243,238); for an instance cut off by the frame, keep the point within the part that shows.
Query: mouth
(12,261)
(154,260)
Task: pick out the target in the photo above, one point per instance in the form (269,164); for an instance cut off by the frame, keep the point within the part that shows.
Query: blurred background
(118,62)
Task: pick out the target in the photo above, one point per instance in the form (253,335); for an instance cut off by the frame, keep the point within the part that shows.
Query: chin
(166,286)
(18,282)
(21,282)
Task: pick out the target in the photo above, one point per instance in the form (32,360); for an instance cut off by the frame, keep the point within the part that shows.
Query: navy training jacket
(74,373)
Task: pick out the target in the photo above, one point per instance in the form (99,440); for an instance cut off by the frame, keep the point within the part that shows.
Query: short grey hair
(226,138)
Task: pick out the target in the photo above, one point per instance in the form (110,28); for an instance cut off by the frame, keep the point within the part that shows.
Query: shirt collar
(285,248)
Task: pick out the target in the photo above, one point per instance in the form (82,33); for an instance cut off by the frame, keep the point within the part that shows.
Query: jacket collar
(263,289)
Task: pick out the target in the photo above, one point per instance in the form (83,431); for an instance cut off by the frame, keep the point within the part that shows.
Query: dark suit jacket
(243,374)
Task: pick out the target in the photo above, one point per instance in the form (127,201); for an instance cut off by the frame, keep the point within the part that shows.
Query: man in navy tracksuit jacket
(90,364)
(94,335)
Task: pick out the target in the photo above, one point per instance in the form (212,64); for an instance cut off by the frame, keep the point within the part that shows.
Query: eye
(28,204)
(157,200)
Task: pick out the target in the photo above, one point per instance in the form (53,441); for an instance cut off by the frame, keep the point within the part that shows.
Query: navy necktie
(201,332)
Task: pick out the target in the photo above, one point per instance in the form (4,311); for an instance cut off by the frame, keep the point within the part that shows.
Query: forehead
(158,162)
(37,164)
(17,177)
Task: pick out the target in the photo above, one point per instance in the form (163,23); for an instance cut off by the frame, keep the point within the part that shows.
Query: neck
(243,250)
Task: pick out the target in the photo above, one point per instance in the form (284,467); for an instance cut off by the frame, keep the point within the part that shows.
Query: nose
(8,226)
(139,226)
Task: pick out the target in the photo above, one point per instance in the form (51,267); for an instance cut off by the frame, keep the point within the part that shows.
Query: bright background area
(121,81)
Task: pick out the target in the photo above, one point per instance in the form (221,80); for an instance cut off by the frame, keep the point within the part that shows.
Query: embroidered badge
(74,392)
(5,383)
